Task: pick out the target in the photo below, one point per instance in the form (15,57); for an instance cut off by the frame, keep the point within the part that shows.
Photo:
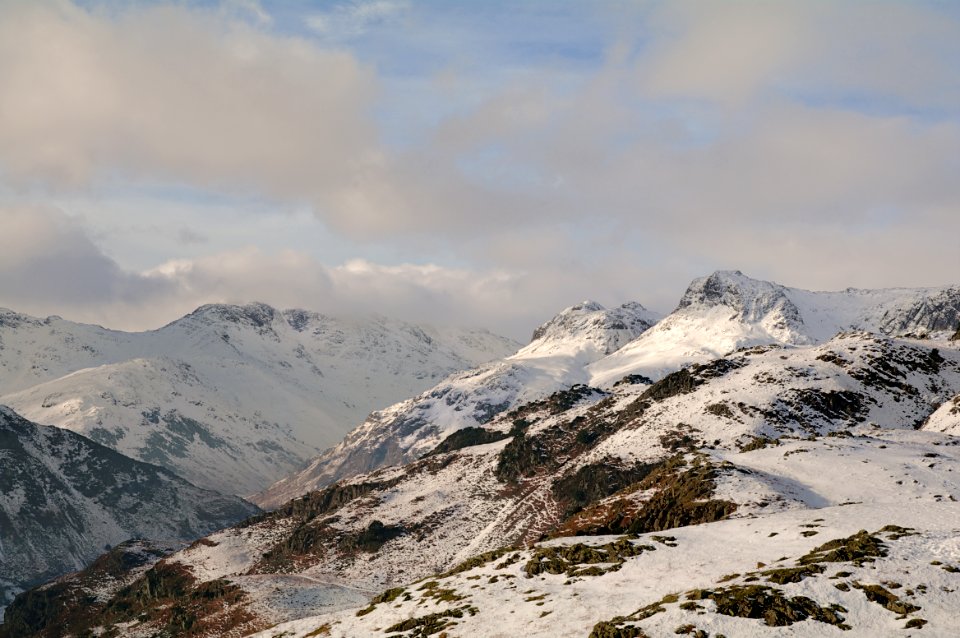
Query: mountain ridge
(716,315)
(527,475)
(230,397)
(793,441)
(556,357)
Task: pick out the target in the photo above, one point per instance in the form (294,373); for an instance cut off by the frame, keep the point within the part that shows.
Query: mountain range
(763,459)
(591,345)
(231,398)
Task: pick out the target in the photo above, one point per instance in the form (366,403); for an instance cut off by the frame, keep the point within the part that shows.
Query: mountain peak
(725,287)
(256,314)
(753,299)
(589,321)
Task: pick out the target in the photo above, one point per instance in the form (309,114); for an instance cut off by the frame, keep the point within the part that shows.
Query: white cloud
(167,93)
(723,51)
(350,19)
(49,265)
(47,260)
(247,8)
(742,51)
(508,302)
(807,142)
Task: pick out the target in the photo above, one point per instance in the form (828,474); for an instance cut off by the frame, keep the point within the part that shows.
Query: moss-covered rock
(426,625)
(529,454)
(757,443)
(322,502)
(770,605)
(568,559)
(522,457)
(371,539)
(593,482)
(479,561)
(886,599)
(857,549)
(682,496)
(467,437)
(387,596)
(792,574)
(168,596)
(68,606)
(720,409)
(608,629)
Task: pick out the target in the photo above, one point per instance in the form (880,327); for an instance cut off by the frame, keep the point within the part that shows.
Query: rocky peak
(753,299)
(255,314)
(565,318)
(11,319)
(590,321)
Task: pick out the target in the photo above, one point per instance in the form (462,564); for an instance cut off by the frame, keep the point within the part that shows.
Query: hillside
(588,344)
(231,398)
(783,435)
(64,498)
(795,480)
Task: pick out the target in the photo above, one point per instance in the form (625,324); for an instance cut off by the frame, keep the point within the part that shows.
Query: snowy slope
(587,344)
(63,498)
(556,358)
(946,418)
(683,481)
(676,584)
(229,397)
(797,446)
(728,310)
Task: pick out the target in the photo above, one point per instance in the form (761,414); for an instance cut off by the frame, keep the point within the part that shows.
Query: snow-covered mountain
(796,479)
(587,344)
(769,453)
(556,357)
(63,498)
(728,310)
(229,397)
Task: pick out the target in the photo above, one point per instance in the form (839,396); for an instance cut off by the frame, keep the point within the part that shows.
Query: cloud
(177,95)
(173,95)
(735,52)
(807,142)
(49,265)
(722,51)
(350,19)
(507,302)
(47,260)
(189,236)
(247,8)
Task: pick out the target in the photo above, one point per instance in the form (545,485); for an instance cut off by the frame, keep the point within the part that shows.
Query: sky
(479,163)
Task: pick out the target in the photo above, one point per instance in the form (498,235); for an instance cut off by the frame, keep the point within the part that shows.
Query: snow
(230,397)
(728,310)
(946,418)
(858,387)
(589,344)
(556,358)
(705,554)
